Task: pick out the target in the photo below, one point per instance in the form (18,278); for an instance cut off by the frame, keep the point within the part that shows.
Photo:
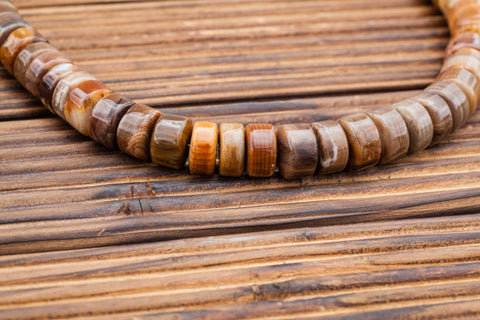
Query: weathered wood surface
(182,247)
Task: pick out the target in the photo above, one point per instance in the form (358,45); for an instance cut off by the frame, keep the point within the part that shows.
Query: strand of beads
(354,142)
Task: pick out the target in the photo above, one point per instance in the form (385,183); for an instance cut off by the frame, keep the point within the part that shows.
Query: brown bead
(9,21)
(203,148)
(333,150)
(297,150)
(419,124)
(439,112)
(461,59)
(466,81)
(463,40)
(39,66)
(456,99)
(16,42)
(261,149)
(393,134)
(364,142)
(232,149)
(169,141)
(81,99)
(7,6)
(26,56)
(135,130)
(48,83)
(105,117)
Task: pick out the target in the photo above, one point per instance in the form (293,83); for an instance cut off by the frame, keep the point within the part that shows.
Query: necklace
(353,142)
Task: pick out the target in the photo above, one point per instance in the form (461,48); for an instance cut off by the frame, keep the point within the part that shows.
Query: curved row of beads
(355,142)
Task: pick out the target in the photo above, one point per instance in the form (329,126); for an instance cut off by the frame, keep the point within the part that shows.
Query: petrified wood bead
(26,56)
(203,148)
(419,124)
(333,150)
(15,43)
(261,149)
(463,58)
(455,98)
(297,150)
(105,117)
(393,134)
(169,141)
(10,21)
(81,99)
(39,66)
(7,6)
(466,81)
(232,149)
(135,130)
(461,41)
(364,142)
(47,85)
(439,112)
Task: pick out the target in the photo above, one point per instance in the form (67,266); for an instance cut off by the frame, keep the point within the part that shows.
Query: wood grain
(86,232)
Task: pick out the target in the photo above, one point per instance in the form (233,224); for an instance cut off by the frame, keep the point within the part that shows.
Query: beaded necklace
(352,142)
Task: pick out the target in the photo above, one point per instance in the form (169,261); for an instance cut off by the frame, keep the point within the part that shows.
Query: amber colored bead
(456,99)
(261,149)
(135,130)
(105,117)
(15,43)
(170,138)
(63,87)
(9,21)
(39,66)
(47,85)
(466,81)
(439,112)
(26,56)
(463,59)
(463,40)
(419,124)
(364,142)
(232,149)
(297,150)
(393,134)
(333,150)
(203,148)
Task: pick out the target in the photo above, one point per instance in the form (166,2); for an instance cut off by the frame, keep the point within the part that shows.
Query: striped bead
(232,149)
(261,149)
(333,151)
(203,148)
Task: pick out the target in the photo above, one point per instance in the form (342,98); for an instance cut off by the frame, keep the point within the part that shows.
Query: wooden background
(88,232)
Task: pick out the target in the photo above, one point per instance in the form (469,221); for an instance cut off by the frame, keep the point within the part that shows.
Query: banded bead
(135,130)
(333,150)
(9,21)
(364,142)
(297,151)
(26,56)
(48,84)
(169,141)
(261,149)
(105,117)
(393,134)
(466,81)
(203,148)
(461,41)
(439,112)
(419,124)
(232,149)
(15,43)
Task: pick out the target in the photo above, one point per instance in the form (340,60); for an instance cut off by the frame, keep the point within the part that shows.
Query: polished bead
(232,149)
(63,87)
(456,99)
(105,117)
(81,99)
(169,141)
(364,142)
(333,150)
(15,43)
(9,21)
(26,56)
(393,134)
(466,81)
(470,62)
(463,40)
(297,150)
(47,85)
(135,130)
(7,6)
(261,149)
(203,148)
(439,112)
(419,124)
